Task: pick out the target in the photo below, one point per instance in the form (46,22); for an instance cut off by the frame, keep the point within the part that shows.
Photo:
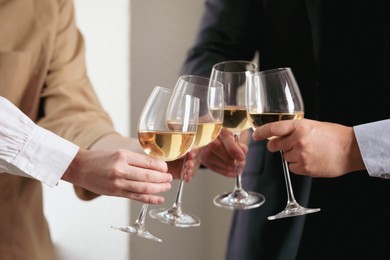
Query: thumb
(280,128)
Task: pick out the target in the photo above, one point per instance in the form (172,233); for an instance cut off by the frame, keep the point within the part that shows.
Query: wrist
(72,173)
(355,156)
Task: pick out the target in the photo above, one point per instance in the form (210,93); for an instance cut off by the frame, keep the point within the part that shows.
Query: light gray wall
(81,229)
(161,33)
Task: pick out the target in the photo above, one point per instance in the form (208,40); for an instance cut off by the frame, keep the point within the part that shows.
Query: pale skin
(117,166)
(314,148)
(221,155)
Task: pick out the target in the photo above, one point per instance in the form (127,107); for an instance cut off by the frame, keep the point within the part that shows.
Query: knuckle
(148,176)
(149,162)
(271,146)
(212,146)
(274,129)
(301,143)
(303,159)
(137,197)
(145,189)
(120,154)
(115,172)
(167,187)
(305,168)
(152,200)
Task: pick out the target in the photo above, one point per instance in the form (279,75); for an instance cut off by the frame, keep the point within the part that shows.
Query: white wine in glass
(166,131)
(273,95)
(210,95)
(234,75)
(166,145)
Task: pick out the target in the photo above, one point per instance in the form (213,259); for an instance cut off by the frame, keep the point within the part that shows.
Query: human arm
(314,148)
(224,34)
(29,150)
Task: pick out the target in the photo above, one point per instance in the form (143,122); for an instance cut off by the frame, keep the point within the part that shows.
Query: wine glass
(166,130)
(273,95)
(233,75)
(210,94)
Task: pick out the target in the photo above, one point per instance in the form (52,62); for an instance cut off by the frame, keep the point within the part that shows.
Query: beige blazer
(42,71)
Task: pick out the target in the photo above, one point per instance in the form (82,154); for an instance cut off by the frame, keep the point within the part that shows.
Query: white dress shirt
(374,144)
(29,150)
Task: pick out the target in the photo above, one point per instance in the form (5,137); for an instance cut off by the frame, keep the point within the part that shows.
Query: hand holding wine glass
(166,131)
(224,155)
(210,95)
(274,95)
(233,75)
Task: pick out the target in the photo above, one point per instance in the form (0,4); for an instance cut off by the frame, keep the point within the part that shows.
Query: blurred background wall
(161,34)
(81,230)
(132,46)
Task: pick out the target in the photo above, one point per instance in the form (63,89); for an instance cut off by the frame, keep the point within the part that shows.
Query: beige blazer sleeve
(70,106)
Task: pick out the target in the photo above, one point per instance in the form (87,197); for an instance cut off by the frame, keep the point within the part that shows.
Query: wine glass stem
(177,204)
(290,193)
(141,217)
(238,171)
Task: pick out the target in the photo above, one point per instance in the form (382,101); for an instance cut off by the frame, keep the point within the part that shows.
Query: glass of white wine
(166,130)
(210,94)
(274,95)
(234,75)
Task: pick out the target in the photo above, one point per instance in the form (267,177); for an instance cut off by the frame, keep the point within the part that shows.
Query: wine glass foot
(139,231)
(293,210)
(174,217)
(239,199)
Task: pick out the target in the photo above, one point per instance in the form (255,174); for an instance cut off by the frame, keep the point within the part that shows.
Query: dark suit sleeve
(232,30)
(225,33)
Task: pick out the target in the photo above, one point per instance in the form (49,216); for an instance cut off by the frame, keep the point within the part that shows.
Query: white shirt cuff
(374,144)
(46,156)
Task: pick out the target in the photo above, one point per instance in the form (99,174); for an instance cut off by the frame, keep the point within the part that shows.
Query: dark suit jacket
(339,53)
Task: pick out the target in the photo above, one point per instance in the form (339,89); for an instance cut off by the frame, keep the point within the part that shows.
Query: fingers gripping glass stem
(239,198)
(174,215)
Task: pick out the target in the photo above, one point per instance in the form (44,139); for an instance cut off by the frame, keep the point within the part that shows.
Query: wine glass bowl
(274,95)
(167,128)
(234,75)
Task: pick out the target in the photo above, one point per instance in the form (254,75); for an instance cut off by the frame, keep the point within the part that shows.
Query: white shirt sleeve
(29,150)
(374,144)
